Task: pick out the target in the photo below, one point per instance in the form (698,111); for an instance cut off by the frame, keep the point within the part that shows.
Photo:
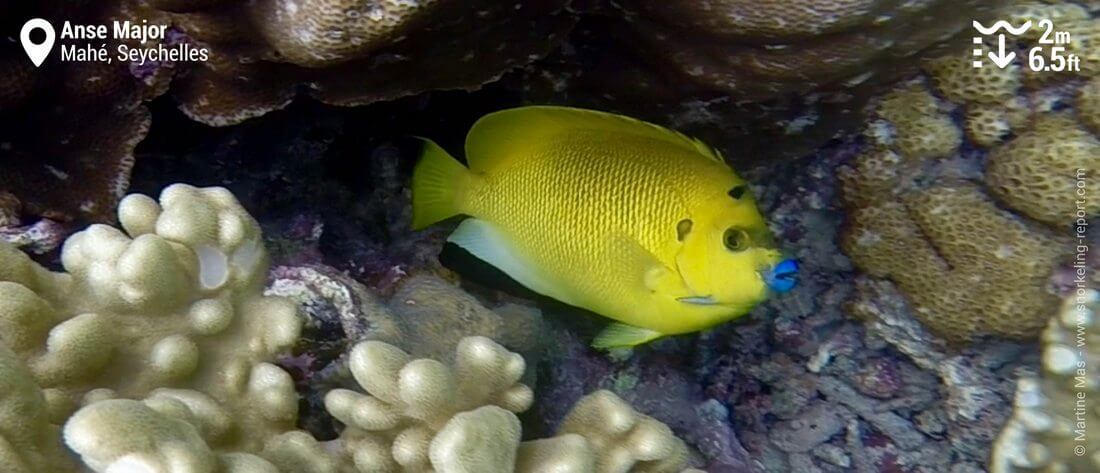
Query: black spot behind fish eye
(736,239)
(737,192)
(683,228)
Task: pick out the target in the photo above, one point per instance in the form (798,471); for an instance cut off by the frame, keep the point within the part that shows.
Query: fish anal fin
(488,243)
(619,335)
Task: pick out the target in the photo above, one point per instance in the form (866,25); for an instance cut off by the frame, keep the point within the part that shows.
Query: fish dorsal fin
(500,136)
(489,244)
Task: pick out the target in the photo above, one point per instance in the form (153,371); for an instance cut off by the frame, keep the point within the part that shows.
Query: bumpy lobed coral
(1049,427)
(29,442)
(941,208)
(423,414)
(172,309)
(161,341)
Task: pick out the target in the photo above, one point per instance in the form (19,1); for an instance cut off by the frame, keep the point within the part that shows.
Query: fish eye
(683,228)
(735,239)
(737,192)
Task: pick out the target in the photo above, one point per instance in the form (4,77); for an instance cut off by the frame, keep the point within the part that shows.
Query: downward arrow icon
(1001,59)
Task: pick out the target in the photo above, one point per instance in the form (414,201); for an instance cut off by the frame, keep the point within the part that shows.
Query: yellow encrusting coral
(960,81)
(940,242)
(939,217)
(1036,173)
(913,123)
(989,124)
(1088,104)
(1050,425)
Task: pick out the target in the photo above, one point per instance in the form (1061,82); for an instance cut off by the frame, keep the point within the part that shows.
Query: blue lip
(783,276)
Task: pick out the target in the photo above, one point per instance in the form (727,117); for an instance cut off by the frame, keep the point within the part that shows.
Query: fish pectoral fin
(698,300)
(490,244)
(619,335)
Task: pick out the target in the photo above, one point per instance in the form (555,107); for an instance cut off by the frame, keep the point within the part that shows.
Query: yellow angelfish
(621,217)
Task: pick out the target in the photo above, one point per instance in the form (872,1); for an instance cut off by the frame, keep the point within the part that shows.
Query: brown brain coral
(68,129)
(353,52)
(755,50)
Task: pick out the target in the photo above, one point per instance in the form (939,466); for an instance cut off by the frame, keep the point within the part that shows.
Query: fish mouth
(782,277)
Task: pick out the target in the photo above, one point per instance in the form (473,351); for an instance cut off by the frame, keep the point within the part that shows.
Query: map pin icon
(37,52)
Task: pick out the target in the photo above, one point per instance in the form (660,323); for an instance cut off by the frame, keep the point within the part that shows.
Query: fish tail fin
(438,183)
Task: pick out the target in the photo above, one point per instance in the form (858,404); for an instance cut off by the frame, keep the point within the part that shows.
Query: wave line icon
(999,24)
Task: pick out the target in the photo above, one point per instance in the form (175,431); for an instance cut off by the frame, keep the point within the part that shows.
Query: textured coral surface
(978,188)
(69,129)
(154,352)
(352,52)
(1049,428)
(938,240)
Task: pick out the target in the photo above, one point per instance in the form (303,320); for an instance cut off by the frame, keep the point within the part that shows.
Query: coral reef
(754,50)
(129,360)
(461,418)
(1048,430)
(937,206)
(734,395)
(53,159)
(29,443)
(1036,173)
(771,80)
(154,350)
(352,52)
(69,129)
(174,304)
